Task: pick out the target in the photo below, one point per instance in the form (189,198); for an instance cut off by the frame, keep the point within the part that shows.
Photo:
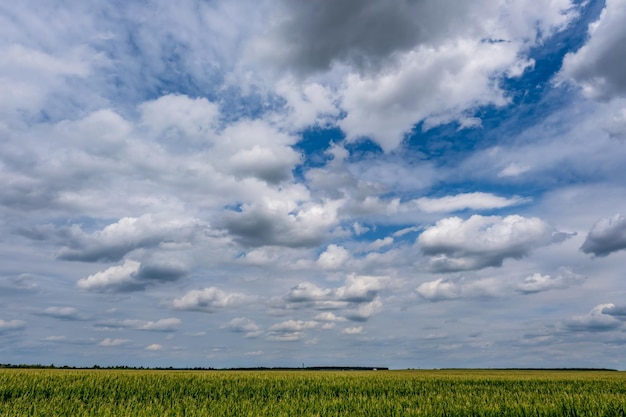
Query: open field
(310,393)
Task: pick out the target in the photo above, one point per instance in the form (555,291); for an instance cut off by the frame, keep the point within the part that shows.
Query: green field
(309,393)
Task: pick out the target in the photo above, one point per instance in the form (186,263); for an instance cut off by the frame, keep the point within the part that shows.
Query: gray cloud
(607,235)
(597,320)
(618,311)
(280,224)
(599,65)
(312,36)
(245,326)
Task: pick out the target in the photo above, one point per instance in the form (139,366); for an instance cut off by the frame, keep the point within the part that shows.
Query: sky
(400,183)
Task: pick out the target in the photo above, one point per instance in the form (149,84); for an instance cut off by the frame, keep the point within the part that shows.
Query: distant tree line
(198,368)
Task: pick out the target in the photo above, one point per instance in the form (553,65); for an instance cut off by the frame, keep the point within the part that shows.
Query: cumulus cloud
(392,71)
(306,291)
(208,300)
(607,235)
(132,276)
(537,282)
(439,289)
(116,240)
(244,325)
(598,66)
(357,290)
(385,108)
(361,288)
(116,277)
(290,330)
(353,330)
(282,223)
(358,298)
(479,242)
(597,320)
(443,289)
(333,258)
(462,287)
(365,311)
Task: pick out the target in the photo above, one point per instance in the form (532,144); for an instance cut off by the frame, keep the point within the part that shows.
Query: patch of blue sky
(533,98)
(313,145)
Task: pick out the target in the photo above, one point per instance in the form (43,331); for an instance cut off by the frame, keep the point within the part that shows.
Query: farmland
(28,392)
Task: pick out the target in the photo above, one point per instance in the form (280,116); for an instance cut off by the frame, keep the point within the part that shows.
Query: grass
(310,393)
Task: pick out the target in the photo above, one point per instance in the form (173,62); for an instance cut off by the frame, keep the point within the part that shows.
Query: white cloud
(191,144)
(361,288)
(451,289)
(439,289)
(54,338)
(208,300)
(108,342)
(290,330)
(120,276)
(162,325)
(358,298)
(455,244)
(380,243)
(328,316)
(306,291)
(154,347)
(386,107)
(472,201)
(116,240)
(333,258)
(513,170)
(7,325)
(178,119)
(309,104)
(607,235)
(293,326)
(353,330)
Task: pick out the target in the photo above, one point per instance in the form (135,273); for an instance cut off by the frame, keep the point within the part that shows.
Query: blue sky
(271,183)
